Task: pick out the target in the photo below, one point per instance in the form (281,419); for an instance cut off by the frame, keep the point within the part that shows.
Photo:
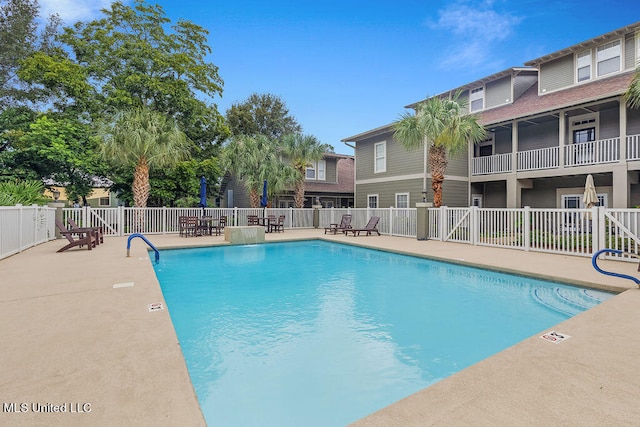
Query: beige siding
(399,160)
(458,165)
(609,123)
(332,170)
(533,137)
(502,141)
(387,190)
(556,74)
(498,92)
(240,195)
(454,193)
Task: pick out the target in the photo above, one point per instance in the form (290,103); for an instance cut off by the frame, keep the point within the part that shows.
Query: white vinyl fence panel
(22,227)
(579,232)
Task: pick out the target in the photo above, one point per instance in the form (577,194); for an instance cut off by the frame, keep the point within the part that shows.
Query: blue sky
(345,67)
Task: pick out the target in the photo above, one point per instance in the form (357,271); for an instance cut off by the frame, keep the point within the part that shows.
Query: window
(322,167)
(372,201)
(484,148)
(283,204)
(584,129)
(477,99)
(316,171)
(104,201)
(584,135)
(608,58)
(402,200)
(574,201)
(380,157)
(584,66)
(311,172)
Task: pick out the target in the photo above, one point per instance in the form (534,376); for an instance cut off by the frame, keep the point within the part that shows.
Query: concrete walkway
(71,338)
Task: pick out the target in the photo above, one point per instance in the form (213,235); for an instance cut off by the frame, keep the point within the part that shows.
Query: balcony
(583,154)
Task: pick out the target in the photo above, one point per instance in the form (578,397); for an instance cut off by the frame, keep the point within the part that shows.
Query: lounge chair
(85,237)
(277,225)
(371,226)
(345,223)
(97,231)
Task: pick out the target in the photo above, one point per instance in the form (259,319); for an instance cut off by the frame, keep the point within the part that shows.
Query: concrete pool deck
(72,339)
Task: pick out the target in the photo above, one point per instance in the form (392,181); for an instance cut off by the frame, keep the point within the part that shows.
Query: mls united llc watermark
(72,408)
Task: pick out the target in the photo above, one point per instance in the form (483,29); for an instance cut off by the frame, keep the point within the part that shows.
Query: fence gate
(457,223)
(620,231)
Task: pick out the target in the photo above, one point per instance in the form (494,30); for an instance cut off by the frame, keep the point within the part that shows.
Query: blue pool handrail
(148,243)
(594,259)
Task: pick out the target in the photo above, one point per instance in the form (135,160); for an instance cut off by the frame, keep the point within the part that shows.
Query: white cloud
(73,10)
(475,28)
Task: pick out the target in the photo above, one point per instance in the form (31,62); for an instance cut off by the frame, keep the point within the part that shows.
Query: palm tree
(302,150)
(144,139)
(633,92)
(254,159)
(442,125)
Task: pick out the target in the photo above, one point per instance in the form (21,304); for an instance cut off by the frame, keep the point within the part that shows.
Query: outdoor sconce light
(424,195)
(56,195)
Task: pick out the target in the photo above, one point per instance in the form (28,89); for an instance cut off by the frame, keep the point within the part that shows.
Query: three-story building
(550,123)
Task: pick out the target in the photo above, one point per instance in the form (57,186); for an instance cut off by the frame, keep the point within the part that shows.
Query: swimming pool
(319,333)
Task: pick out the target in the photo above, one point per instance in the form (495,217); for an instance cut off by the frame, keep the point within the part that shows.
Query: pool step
(568,301)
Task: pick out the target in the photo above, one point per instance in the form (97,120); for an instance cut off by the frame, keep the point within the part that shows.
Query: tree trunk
(254,198)
(438,165)
(299,194)
(436,185)
(141,187)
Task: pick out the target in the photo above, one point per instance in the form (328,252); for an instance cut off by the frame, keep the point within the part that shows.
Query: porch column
(513,191)
(620,187)
(562,120)
(514,146)
(623,131)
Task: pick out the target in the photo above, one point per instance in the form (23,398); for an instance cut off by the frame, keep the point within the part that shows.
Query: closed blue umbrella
(203,192)
(264,200)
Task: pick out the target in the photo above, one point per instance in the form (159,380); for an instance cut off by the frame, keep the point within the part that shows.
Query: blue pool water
(317,333)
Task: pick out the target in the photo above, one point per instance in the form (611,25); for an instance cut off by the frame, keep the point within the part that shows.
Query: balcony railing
(543,158)
(498,163)
(582,154)
(633,147)
(592,152)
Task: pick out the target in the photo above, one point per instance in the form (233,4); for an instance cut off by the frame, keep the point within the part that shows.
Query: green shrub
(22,192)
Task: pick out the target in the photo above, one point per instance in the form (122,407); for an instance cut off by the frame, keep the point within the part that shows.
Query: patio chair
(371,226)
(85,237)
(205,225)
(222,223)
(277,225)
(345,223)
(97,231)
(252,220)
(188,226)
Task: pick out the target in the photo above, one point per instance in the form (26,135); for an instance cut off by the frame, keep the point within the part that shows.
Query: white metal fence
(22,227)
(564,231)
